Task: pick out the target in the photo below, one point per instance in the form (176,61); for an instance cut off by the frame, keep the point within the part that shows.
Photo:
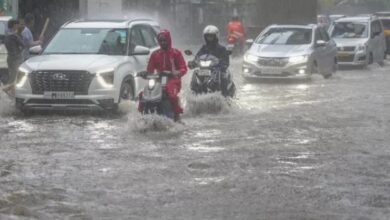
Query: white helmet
(211,29)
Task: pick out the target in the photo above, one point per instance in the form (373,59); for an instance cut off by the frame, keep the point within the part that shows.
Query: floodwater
(280,150)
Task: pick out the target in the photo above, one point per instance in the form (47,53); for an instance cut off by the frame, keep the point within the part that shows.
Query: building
(186,18)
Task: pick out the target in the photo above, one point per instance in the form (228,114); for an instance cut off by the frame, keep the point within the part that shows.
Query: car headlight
(251,58)
(152,84)
(361,48)
(298,59)
(21,77)
(106,77)
(206,63)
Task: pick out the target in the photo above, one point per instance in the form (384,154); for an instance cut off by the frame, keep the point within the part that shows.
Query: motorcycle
(154,98)
(208,76)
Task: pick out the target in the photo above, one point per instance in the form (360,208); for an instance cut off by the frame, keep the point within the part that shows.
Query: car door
(138,62)
(319,52)
(143,35)
(375,40)
(382,40)
(329,51)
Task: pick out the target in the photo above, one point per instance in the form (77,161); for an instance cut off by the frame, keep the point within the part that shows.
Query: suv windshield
(350,30)
(89,41)
(286,36)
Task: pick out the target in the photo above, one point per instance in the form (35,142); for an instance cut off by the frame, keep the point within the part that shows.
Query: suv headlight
(298,59)
(251,58)
(21,77)
(106,77)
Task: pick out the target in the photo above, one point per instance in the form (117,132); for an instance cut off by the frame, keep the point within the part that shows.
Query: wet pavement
(281,150)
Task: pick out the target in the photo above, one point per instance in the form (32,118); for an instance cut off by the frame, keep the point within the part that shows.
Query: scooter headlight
(206,63)
(152,84)
(21,77)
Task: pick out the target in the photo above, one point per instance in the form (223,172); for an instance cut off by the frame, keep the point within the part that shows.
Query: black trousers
(13,65)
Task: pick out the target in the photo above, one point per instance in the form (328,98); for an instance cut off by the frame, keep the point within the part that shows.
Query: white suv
(87,65)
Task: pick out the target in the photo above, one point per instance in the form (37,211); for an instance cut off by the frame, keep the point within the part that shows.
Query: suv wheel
(127,91)
(126,94)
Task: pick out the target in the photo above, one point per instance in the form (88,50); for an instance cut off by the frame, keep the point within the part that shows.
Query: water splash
(213,103)
(151,123)
(6,105)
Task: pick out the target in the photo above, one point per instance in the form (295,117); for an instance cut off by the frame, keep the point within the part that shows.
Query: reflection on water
(297,162)
(208,180)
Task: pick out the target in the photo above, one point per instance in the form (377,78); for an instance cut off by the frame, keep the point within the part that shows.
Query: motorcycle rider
(212,47)
(169,60)
(236,32)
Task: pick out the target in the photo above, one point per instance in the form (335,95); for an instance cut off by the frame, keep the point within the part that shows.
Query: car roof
(356,19)
(382,13)
(119,23)
(337,16)
(383,17)
(5,18)
(309,26)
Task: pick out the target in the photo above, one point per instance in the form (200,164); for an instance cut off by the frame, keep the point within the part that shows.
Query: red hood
(167,35)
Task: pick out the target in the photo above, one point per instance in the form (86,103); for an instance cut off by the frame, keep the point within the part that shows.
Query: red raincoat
(169,60)
(235,31)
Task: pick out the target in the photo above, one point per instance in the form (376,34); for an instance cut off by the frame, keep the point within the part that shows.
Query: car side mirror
(249,42)
(320,43)
(188,52)
(36,50)
(140,51)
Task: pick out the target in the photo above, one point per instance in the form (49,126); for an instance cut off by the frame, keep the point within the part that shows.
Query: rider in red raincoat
(169,59)
(236,32)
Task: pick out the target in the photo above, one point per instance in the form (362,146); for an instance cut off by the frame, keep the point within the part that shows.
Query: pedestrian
(15,46)
(28,22)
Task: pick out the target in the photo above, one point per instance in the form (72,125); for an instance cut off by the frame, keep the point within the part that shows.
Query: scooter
(154,98)
(208,76)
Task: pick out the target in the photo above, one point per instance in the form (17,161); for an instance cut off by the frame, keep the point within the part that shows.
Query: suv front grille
(60,81)
(350,49)
(275,62)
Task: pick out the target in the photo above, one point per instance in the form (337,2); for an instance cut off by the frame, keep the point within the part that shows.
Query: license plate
(204,73)
(59,95)
(271,71)
(343,54)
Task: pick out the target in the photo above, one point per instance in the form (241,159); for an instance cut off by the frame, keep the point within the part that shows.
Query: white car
(87,65)
(360,40)
(291,51)
(3,51)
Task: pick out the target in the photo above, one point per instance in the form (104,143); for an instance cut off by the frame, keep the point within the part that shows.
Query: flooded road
(280,150)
